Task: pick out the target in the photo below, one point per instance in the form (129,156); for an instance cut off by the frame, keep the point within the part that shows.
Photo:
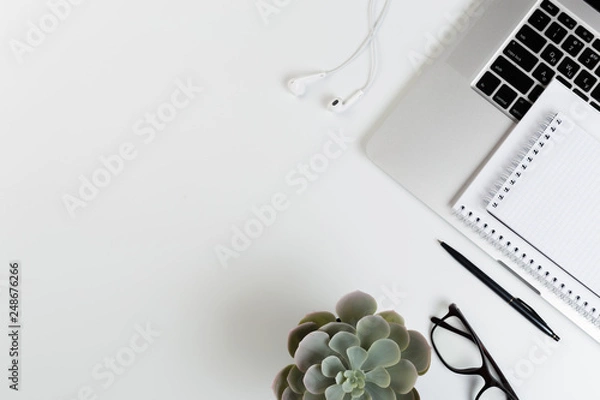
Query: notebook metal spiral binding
(521,162)
(529,265)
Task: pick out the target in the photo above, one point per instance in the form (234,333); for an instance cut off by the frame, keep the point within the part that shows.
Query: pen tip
(555,337)
(439,241)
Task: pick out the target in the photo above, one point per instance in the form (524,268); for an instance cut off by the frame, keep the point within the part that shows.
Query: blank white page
(552,200)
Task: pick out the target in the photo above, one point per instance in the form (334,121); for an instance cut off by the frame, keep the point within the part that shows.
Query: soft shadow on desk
(264,302)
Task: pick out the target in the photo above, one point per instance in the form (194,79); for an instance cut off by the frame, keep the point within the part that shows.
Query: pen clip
(531,310)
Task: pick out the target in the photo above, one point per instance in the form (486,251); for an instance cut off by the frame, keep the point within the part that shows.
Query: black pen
(516,303)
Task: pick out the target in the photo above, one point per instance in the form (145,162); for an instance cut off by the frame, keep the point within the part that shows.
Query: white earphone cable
(368,39)
(299,84)
(372,49)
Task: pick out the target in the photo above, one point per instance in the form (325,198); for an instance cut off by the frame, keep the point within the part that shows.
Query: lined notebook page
(552,200)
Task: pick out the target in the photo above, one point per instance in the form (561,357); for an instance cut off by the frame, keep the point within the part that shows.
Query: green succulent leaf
(313,349)
(335,392)
(383,353)
(334,327)
(365,396)
(418,352)
(289,394)
(357,356)
(320,318)
(412,395)
(353,306)
(347,387)
(315,381)
(331,366)
(399,334)
(342,341)
(297,334)
(379,376)
(310,396)
(403,376)
(294,380)
(378,393)
(370,329)
(392,316)
(280,382)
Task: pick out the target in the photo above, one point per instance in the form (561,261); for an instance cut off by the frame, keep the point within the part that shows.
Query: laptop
(487,71)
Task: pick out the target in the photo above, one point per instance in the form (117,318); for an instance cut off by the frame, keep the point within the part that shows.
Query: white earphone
(340,105)
(298,85)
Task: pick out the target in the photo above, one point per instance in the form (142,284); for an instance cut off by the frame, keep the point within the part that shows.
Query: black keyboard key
(535,93)
(596,93)
(505,96)
(596,44)
(595,105)
(488,83)
(585,81)
(567,21)
(520,55)
(556,33)
(572,45)
(539,20)
(581,94)
(565,82)
(552,54)
(568,67)
(531,38)
(543,73)
(550,7)
(583,33)
(512,74)
(520,108)
(589,58)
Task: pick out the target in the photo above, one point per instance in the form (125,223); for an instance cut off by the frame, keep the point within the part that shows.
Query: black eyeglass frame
(484,371)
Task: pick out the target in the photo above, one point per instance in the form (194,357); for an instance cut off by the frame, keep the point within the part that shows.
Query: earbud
(298,85)
(339,105)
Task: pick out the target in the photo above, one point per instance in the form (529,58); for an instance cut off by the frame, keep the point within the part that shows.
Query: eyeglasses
(463,353)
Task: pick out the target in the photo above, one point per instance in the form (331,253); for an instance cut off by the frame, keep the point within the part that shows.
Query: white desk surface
(141,253)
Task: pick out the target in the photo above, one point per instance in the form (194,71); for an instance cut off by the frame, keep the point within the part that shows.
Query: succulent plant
(358,356)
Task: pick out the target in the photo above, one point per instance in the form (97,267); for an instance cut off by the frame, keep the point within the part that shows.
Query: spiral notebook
(537,201)
(552,199)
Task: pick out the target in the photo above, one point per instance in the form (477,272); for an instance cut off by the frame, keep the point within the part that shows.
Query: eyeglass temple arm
(444,324)
(466,335)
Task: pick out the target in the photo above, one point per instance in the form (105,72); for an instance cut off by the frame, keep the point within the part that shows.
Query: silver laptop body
(440,130)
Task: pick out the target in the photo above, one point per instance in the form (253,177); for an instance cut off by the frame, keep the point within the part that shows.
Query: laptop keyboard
(549,43)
